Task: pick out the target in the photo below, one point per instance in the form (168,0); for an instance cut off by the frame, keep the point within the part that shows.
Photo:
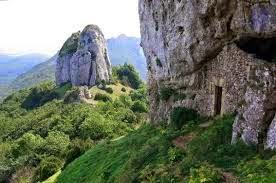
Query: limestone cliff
(220,55)
(83,59)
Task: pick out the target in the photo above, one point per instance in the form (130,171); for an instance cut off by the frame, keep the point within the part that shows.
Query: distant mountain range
(29,70)
(127,49)
(12,66)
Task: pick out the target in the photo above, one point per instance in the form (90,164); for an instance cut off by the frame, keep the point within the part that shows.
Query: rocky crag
(83,60)
(215,56)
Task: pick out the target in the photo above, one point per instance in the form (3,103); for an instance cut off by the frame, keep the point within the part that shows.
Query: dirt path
(182,141)
(229,178)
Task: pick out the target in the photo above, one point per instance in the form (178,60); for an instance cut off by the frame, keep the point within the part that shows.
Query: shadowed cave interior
(262,48)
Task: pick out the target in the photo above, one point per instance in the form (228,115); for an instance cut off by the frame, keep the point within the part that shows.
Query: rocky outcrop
(83,59)
(218,56)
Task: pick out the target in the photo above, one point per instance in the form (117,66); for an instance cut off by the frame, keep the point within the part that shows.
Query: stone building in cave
(223,82)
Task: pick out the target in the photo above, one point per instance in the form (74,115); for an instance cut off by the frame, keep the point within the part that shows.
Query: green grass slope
(155,154)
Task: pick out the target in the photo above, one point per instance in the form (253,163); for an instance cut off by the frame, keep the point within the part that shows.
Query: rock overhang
(196,31)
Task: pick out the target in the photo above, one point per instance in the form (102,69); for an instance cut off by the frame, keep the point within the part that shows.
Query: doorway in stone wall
(218,100)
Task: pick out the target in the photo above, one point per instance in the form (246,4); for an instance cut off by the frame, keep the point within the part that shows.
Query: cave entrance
(262,48)
(218,100)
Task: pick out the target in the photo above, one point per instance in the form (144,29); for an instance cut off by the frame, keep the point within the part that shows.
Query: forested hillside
(45,128)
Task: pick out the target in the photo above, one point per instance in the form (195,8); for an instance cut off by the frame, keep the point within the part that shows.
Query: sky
(42,26)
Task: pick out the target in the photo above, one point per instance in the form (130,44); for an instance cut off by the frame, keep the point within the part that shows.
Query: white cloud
(43,25)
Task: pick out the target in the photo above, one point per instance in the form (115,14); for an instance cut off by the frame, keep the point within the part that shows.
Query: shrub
(174,154)
(126,115)
(181,115)
(140,107)
(205,174)
(109,90)
(180,96)
(56,143)
(71,95)
(102,97)
(70,46)
(27,145)
(166,93)
(158,62)
(39,96)
(94,127)
(48,167)
(128,75)
(123,89)
(77,148)
(139,94)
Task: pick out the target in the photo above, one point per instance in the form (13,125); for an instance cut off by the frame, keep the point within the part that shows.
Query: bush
(126,115)
(71,45)
(205,174)
(109,90)
(181,115)
(56,143)
(128,75)
(94,127)
(158,62)
(139,94)
(123,89)
(179,96)
(102,97)
(48,167)
(77,148)
(140,107)
(71,95)
(39,96)
(166,93)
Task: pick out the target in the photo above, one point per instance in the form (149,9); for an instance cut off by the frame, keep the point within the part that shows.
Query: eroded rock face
(198,48)
(83,59)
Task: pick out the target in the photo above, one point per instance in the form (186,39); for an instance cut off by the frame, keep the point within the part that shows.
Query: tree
(128,75)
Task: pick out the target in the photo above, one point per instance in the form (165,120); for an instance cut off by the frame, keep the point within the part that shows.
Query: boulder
(83,59)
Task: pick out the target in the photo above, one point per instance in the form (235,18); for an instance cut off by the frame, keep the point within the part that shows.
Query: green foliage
(205,174)
(56,143)
(174,154)
(102,97)
(95,127)
(123,160)
(140,107)
(71,45)
(258,170)
(165,93)
(181,115)
(147,155)
(109,90)
(56,128)
(39,96)
(158,62)
(179,96)
(77,148)
(48,167)
(127,75)
(71,95)
(140,94)
(44,93)
(27,145)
